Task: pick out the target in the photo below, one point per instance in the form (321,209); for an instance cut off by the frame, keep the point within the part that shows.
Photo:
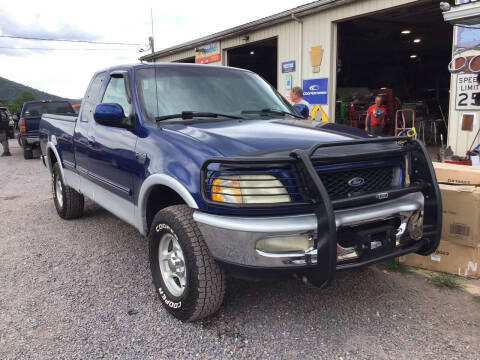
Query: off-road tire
(205,280)
(73,202)
(27,154)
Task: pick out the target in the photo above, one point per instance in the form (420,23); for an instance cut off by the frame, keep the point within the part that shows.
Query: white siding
(177,56)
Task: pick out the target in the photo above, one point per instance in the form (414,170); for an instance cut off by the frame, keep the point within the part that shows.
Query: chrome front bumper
(233,239)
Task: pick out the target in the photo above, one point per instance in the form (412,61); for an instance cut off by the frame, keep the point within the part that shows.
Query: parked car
(215,167)
(28,137)
(11,123)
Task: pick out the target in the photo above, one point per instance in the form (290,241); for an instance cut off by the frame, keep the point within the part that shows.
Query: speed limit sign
(467,91)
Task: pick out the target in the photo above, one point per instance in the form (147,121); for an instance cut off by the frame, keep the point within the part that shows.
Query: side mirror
(109,114)
(302,110)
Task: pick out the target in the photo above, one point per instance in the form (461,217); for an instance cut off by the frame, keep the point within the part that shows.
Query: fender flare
(51,146)
(147,186)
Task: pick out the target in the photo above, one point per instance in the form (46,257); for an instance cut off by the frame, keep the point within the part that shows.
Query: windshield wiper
(272,111)
(187,115)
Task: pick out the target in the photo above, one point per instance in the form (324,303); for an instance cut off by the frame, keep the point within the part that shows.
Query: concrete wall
(318,29)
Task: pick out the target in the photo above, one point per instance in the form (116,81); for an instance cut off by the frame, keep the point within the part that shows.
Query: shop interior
(401,55)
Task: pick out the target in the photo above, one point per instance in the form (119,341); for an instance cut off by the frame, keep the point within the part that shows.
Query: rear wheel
(68,202)
(188,281)
(27,154)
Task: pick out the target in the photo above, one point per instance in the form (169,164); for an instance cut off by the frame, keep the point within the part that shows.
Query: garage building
(343,53)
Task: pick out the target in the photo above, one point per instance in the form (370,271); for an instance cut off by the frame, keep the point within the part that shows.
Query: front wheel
(68,202)
(188,281)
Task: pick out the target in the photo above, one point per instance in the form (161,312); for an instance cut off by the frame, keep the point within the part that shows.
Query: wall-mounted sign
(467,36)
(316,57)
(208,53)
(315,91)
(288,66)
(467,91)
(459,2)
(288,82)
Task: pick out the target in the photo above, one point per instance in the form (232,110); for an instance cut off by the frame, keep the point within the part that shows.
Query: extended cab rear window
(53,107)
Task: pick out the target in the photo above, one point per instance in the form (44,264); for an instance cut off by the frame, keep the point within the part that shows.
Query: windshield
(171,90)
(52,107)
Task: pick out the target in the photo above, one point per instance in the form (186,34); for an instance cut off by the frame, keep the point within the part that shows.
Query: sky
(67,72)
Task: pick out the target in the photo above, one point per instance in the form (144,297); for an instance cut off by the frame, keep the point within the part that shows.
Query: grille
(374,179)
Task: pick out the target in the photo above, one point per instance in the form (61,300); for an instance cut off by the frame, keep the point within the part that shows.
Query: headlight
(249,189)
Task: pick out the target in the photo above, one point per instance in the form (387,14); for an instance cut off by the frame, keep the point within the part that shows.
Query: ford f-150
(224,177)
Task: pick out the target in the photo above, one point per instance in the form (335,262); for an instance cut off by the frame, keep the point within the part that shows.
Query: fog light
(344,254)
(415,225)
(281,244)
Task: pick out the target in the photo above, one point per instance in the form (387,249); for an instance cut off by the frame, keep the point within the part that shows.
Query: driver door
(111,149)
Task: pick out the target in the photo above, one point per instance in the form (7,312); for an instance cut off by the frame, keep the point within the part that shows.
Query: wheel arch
(52,158)
(173,193)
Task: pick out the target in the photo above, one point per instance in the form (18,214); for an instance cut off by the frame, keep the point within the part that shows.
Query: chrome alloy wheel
(59,191)
(172,264)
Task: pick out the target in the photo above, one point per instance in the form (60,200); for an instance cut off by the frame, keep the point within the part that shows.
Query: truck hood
(236,137)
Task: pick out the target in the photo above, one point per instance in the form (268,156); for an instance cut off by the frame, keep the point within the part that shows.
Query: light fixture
(406,32)
(252,52)
(417,40)
(383,88)
(413,56)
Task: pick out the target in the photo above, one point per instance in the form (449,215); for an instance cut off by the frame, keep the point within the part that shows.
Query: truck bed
(58,129)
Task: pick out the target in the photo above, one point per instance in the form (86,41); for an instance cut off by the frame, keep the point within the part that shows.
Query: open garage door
(402,55)
(190,60)
(259,57)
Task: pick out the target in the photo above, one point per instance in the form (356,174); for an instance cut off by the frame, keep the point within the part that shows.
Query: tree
(17,102)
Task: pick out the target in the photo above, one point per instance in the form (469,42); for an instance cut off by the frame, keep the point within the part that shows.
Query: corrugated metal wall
(318,29)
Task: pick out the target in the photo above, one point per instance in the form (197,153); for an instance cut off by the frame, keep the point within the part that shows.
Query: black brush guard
(422,178)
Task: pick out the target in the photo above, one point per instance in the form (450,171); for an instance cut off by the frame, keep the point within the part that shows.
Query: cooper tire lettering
(178,251)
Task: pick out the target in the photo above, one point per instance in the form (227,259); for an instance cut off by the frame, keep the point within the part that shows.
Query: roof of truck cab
(168,65)
(44,101)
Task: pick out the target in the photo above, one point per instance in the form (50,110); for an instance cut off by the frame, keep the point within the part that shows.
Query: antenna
(151,41)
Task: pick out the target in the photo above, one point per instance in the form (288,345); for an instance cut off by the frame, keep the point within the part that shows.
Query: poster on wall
(467,90)
(208,53)
(288,66)
(315,91)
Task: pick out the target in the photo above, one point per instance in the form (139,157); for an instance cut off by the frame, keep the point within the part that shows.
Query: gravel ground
(82,289)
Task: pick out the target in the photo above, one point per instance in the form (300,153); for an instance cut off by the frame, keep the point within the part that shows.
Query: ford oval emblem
(356,182)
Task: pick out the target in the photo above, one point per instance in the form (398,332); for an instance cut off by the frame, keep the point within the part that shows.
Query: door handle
(91,140)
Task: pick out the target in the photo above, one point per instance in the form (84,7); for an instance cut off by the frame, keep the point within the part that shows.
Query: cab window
(116,93)
(92,97)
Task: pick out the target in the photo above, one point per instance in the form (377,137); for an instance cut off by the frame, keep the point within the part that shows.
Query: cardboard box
(449,258)
(461,214)
(457,174)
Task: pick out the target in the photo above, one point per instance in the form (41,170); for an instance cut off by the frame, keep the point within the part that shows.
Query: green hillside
(10,89)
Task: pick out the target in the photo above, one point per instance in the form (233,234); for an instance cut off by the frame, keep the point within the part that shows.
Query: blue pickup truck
(222,175)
